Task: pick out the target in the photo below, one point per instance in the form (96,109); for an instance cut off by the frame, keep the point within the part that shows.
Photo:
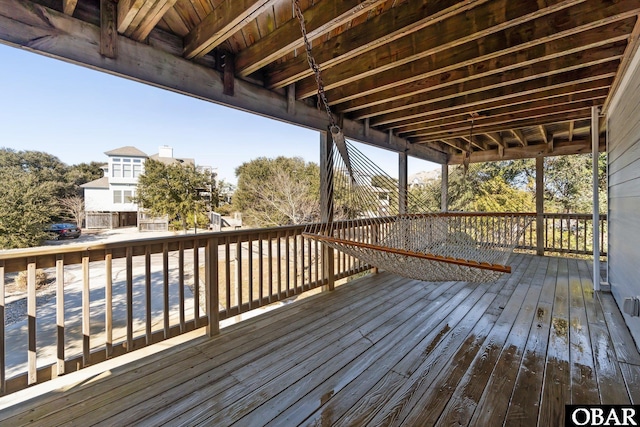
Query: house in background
(109,200)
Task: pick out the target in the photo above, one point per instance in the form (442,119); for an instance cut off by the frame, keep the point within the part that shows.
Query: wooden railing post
(211,286)
(326,204)
(540,225)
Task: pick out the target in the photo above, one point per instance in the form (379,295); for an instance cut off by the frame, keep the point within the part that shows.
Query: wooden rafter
(456,144)
(474,141)
(633,46)
(137,18)
(319,19)
(383,29)
(508,54)
(502,93)
(459,29)
(543,133)
(533,108)
(223,21)
(508,79)
(520,137)
(582,146)
(533,101)
(503,121)
(491,76)
(571,127)
(69,6)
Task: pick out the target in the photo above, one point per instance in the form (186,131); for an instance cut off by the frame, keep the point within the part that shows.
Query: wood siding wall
(624,196)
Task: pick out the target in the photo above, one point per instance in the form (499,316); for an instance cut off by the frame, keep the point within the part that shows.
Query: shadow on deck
(382,350)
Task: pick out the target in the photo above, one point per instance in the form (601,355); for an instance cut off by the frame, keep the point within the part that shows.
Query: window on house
(117,196)
(137,170)
(128,195)
(126,170)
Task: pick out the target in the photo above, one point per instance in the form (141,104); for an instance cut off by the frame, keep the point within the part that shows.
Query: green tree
(79,174)
(280,191)
(174,190)
(27,206)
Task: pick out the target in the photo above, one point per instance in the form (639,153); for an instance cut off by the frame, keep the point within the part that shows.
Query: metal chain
(322,97)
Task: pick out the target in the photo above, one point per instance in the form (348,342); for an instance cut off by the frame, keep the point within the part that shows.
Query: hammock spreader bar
(432,257)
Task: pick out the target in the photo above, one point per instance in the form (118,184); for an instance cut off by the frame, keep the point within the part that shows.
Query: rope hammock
(367,221)
(371,219)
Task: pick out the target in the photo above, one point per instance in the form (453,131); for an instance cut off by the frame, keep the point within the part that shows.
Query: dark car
(64,231)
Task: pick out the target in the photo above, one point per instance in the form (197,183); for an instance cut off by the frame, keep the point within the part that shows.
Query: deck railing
(101,301)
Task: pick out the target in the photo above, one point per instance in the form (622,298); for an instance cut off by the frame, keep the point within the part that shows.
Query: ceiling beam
(320,18)
(472,60)
(527,64)
(502,93)
(534,106)
(399,21)
(225,19)
(540,70)
(136,18)
(465,27)
(505,119)
(543,133)
(515,153)
(34,27)
(441,113)
(456,144)
(520,137)
(473,140)
(564,116)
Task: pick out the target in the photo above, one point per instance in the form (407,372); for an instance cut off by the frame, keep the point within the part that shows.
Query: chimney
(165,151)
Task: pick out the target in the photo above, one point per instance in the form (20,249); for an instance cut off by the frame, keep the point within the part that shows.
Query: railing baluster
(108,302)
(227,278)
(287,263)
(250,271)
(181,284)
(279,254)
(31,313)
(129,299)
(260,271)
(60,313)
(86,311)
(239,280)
(212,287)
(147,295)
(165,287)
(270,267)
(196,282)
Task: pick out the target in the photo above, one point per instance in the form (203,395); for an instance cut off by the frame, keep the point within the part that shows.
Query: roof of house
(126,151)
(97,183)
(171,160)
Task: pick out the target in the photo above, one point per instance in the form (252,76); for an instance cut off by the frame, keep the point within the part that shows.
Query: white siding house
(109,200)
(624,195)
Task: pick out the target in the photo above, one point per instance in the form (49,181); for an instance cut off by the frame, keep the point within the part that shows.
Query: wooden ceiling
(498,79)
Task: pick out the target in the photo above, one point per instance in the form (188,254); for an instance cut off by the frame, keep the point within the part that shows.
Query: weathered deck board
(381,350)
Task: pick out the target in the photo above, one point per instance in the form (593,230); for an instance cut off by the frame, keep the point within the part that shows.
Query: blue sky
(77,114)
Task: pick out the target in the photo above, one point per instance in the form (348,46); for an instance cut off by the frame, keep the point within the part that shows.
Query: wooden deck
(379,351)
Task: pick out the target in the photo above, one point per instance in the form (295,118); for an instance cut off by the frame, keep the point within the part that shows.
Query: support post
(326,204)
(444,189)
(540,206)
(595,143)
(211,286)
(402,182)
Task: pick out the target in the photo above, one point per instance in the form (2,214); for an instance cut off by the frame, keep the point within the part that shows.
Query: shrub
(41,279)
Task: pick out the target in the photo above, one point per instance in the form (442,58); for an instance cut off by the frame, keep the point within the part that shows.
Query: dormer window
(126,168)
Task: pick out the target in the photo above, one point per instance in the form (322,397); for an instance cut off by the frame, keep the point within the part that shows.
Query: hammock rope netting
(366,222)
